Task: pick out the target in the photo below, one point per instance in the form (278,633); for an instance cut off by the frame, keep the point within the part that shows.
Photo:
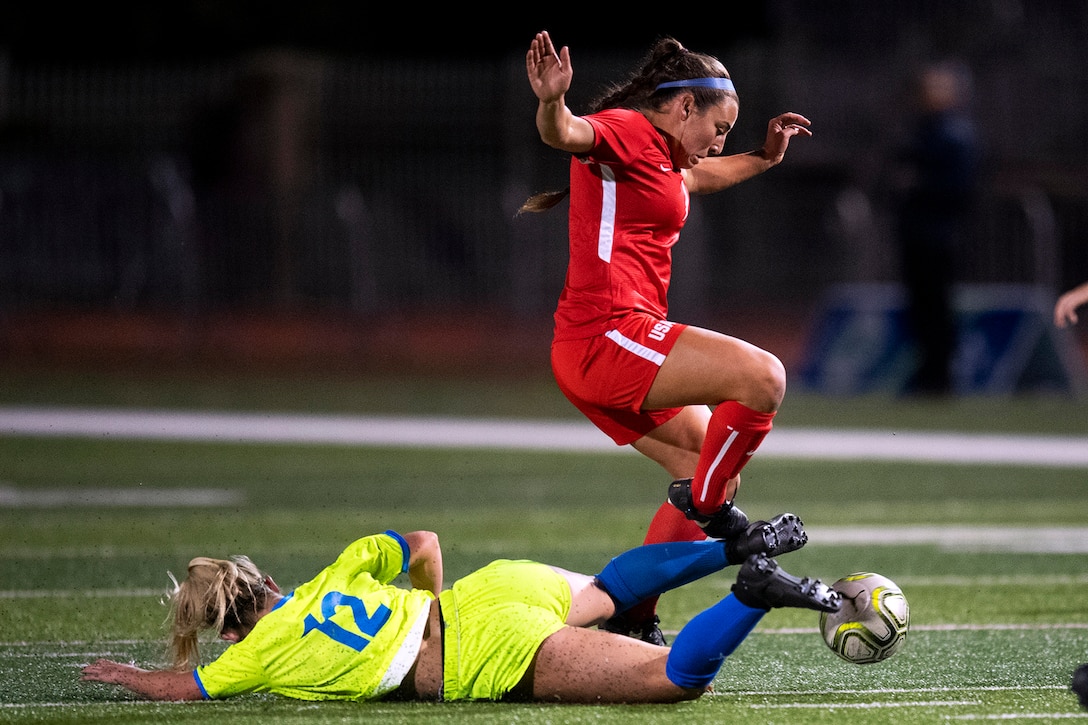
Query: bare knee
(766,386)
(590,604)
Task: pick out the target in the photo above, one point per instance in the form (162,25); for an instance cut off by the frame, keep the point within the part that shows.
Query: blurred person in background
(940,163)
(513,630)
(696,401)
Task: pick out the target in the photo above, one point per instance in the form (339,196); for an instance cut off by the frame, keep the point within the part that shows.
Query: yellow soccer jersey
(347,634)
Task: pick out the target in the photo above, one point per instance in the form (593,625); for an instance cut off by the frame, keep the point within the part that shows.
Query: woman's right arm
(424,561)
(152,684)
(550,75)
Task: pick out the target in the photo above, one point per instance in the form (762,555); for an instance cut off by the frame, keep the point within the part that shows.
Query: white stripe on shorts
(639,349)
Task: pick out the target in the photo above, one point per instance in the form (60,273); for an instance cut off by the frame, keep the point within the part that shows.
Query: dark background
(147,182)
(172,30)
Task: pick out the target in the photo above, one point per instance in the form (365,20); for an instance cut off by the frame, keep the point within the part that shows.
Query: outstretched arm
(152,684)
(424,561)
(1065,311)
(550,75)
(720,172)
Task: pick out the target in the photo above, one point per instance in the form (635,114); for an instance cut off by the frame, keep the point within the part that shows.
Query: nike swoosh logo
(666,169)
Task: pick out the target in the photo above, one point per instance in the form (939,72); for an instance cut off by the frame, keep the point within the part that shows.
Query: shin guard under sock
(703,644)
(733,435)
(668,524)
(649,570)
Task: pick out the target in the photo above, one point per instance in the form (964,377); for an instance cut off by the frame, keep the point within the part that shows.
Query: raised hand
(780,130)
(549,72)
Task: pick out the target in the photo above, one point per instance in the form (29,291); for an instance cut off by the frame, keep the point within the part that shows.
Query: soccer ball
(872,623)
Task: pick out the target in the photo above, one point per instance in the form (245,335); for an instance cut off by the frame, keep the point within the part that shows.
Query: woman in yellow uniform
(512,630)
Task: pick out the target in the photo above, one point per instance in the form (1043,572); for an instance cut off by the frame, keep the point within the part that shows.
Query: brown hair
(666,61)
(217,594)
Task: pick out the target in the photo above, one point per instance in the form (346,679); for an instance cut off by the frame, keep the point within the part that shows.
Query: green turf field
(89,528)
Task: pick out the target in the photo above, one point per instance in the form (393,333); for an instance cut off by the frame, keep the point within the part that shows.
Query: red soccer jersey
(627,206)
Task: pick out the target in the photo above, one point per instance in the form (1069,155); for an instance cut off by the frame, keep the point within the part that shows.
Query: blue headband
(722,84)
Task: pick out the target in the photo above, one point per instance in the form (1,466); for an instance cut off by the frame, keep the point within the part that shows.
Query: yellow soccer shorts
(495,621)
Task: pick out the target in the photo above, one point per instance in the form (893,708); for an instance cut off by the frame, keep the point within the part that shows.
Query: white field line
(1018,715)
(111,704)
(799,443)
(1048,539)
(81,593)
(14,497)
(860,705)
(960,539)
(896,690)
(952,628)
(779,631)
(147,592)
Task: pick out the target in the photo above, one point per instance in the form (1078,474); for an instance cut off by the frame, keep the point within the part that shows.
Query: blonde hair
(216,594)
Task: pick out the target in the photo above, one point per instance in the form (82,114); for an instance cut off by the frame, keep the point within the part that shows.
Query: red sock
(734,433)
(668,524)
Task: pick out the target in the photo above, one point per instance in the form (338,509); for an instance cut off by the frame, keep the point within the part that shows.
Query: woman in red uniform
(644,380)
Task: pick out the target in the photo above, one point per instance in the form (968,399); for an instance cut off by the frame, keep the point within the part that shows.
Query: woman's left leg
(745,384)
(636,574)
(589,665)
(594,666)
(703,450)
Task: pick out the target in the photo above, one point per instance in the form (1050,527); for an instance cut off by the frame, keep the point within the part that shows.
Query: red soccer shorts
(607,376)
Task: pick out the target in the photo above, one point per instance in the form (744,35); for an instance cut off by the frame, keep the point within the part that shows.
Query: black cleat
(763,584)
(781,535)
(1080,684)
(648,630)
(725,523)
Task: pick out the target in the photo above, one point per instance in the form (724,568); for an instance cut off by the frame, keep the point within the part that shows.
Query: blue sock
(649,570)
(703,644)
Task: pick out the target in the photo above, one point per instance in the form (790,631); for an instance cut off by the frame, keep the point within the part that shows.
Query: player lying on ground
(512,630)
